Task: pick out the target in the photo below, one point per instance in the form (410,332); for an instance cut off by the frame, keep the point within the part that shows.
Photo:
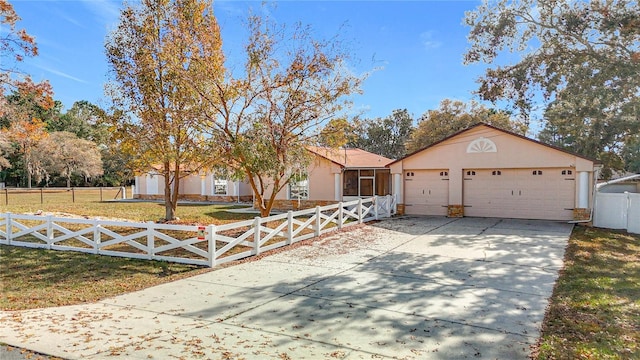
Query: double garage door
(546,193)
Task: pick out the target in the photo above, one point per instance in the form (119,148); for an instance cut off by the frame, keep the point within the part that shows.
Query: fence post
(49,232)
(289,227)
(96,235)
(6,196)
(375,206)
(101,194)
(318,221)
(124,192)
(340,215)
(9,229)
(388,206)
(150,240)
(73,194)
(211,238)
(359,209)
(41,196)
(256,235)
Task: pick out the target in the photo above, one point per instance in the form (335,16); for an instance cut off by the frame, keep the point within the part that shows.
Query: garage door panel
(519,193)
(426,192)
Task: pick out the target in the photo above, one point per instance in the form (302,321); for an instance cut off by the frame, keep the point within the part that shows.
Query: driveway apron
(409,288)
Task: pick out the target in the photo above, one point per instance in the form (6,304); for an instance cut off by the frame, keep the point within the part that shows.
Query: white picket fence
(200,245)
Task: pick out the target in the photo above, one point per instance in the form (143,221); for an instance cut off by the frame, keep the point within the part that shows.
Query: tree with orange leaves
(26,133)
(15,45)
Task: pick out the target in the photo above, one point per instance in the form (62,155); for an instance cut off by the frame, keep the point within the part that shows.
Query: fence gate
(618,211)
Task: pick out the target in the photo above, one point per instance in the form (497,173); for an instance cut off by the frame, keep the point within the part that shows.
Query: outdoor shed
(485,171)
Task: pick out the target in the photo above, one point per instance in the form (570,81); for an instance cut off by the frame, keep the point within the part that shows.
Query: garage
(534,193)
(427,192)
(485,171)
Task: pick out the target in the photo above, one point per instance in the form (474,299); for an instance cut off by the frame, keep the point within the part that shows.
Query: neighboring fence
(22,196)
(618,211)
(190,244)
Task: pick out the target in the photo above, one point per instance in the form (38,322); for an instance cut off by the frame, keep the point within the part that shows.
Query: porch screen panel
(366,187)
(383,182)
(350,185)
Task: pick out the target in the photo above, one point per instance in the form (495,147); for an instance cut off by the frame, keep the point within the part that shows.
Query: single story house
(335,175)
(202,186)
(485,171)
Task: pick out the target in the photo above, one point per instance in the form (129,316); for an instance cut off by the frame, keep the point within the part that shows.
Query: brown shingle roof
(351,158)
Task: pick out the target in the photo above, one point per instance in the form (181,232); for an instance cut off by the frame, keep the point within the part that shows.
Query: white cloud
(428,40)
(60,73)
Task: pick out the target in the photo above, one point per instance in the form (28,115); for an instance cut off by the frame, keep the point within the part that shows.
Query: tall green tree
(453,116)
(84,119)
(386,136)
(153,53)
(582,58)
(631,154)
(262,119)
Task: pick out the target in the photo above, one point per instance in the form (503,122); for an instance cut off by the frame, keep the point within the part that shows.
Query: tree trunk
(29,179)
(168,206)
(69,182)
(176,191)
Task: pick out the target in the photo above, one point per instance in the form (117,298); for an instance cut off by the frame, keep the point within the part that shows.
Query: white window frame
(220,182)
(295,188)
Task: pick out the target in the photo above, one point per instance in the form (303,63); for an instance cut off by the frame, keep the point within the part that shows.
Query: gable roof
(501,130)
(351,158)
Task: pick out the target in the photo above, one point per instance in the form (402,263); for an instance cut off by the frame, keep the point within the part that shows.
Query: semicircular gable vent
(481,145)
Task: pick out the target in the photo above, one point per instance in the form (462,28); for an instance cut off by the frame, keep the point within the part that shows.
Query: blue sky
(416,46)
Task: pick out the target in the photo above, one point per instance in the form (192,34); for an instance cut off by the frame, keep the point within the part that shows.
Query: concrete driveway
(423,288)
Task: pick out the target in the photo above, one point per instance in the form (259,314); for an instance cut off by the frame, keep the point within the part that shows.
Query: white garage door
(545,193)
(426,192)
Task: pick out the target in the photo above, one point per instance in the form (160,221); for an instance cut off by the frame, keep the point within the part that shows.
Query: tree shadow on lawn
(41,278)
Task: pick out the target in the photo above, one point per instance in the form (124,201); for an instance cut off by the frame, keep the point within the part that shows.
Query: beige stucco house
(203,186)
(335,175)
(488,172)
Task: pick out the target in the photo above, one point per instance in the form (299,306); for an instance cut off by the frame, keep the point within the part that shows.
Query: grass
(35,278)
(87,203)
(594,312)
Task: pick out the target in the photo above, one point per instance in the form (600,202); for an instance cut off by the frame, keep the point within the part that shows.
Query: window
(220,187)
(299,187)
(409,174)
(567,172)
(496,172)
(537,172)
(444,173)
(471,172)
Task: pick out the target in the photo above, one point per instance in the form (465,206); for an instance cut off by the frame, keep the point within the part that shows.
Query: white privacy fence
(190,244)
(618,211)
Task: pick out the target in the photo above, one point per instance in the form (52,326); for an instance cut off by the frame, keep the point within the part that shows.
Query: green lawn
(35,278)
(595,309)
(87,203)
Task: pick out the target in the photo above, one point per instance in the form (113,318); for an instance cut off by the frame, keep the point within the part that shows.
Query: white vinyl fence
(618,211)
(190,244)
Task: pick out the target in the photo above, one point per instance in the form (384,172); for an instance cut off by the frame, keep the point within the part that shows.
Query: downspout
(593,196)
